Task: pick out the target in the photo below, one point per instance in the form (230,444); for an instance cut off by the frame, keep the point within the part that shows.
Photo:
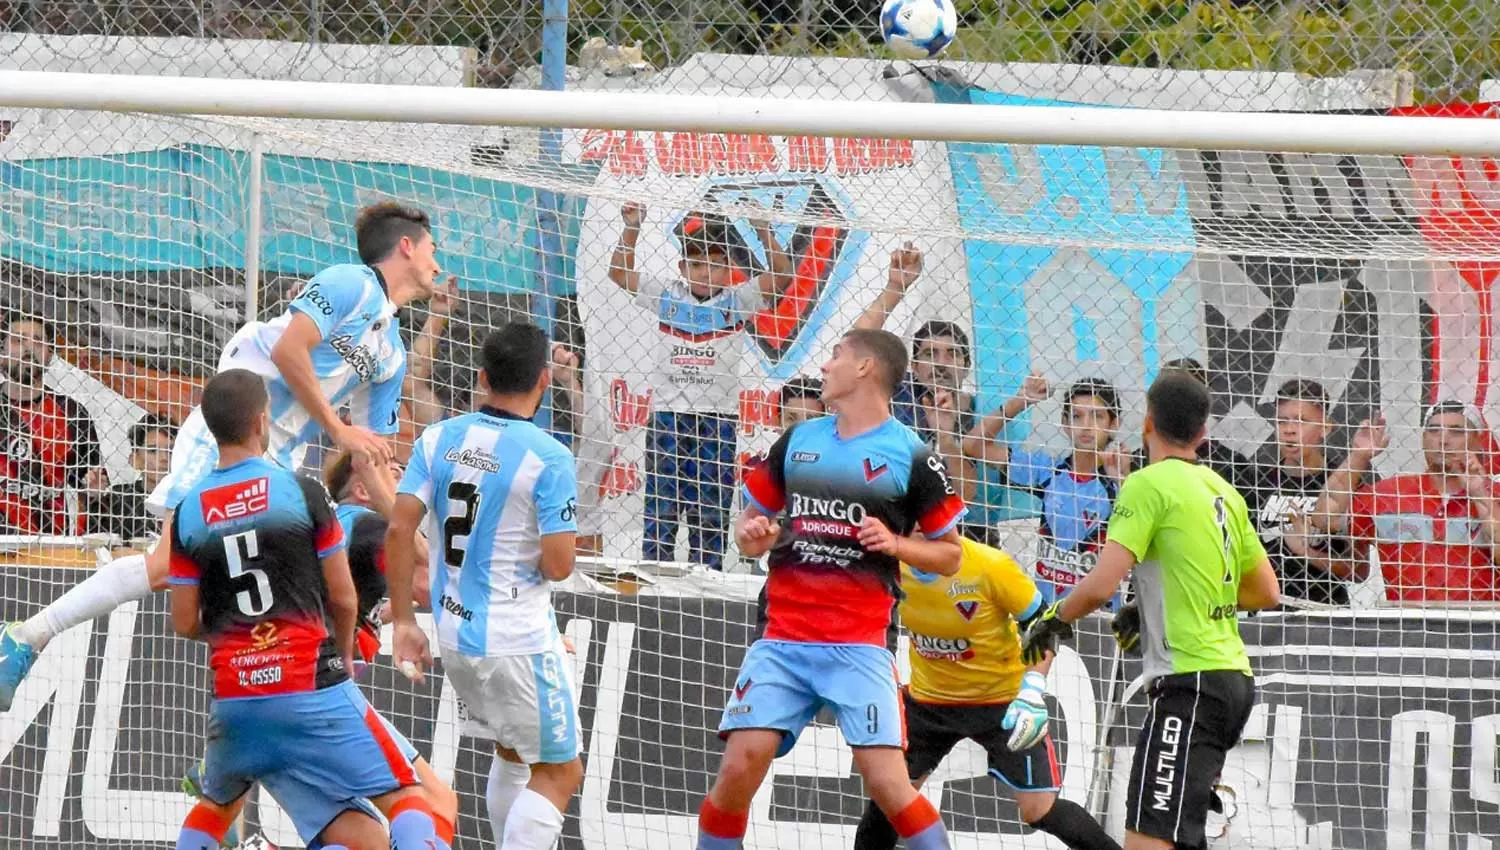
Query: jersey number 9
(239,548)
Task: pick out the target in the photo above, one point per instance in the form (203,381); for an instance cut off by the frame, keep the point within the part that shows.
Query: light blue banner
(1040,292)
(185,208)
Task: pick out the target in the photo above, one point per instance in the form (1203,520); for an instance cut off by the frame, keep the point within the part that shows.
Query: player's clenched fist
(409,650)
(632,213)
(755,535)
(876,537)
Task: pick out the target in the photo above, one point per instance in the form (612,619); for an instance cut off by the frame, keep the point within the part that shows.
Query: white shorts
(524,703)
(195,453)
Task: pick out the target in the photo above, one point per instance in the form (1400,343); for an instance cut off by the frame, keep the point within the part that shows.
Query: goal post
(1321,270)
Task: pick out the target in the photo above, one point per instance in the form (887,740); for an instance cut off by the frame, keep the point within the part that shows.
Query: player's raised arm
(183,577)
(622,269)
(906,267)
(326,301)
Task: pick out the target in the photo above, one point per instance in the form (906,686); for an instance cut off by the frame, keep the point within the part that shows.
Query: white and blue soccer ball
(918,29)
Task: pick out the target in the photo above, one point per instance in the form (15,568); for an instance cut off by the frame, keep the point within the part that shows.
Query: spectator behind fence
(1434,531)
(1284,494)
(1077,489)
(122,510)
(49,440)
(800,399)
(703,313)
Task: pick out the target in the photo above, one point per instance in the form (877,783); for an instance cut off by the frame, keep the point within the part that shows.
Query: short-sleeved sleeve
(328,532)
(1251,550)
(1030,469)
(331,297)
(649,291)
(417,480)
(377,406)
(1137,511)
(556,493)
(1007,585)
(765,483)
(367,544)
(933,501)
(183,569)
(1362,514)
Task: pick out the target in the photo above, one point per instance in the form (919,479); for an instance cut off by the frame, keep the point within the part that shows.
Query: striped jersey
(360,361)
(494,485)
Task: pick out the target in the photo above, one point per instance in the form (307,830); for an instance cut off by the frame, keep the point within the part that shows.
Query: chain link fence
(1447,46)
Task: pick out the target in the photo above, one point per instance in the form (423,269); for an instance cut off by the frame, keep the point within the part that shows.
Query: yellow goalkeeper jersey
(965,648)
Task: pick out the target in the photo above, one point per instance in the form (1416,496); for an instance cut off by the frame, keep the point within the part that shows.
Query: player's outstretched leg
(122,580)
(915,818)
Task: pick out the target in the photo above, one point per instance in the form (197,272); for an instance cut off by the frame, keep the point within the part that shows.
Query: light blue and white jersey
(360,362)
(494,486)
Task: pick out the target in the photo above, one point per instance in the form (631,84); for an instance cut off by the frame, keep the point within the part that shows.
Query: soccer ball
(918,29)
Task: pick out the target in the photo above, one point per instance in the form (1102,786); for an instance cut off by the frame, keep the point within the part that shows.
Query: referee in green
(1197,560)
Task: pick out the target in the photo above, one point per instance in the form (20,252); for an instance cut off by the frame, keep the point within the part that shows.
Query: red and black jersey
(253,536)
(824,587)
(364,532)
(48,444)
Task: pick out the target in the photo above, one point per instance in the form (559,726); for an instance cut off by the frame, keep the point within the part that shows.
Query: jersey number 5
(459,525)
(1221,517)
(238,549)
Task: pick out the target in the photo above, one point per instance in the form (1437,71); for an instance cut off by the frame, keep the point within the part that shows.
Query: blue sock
(196,839)
(414,829)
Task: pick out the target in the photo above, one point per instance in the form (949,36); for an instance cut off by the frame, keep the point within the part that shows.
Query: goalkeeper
(1198,560)
(967,681)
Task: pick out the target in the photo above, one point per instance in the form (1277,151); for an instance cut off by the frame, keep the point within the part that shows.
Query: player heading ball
(853,487)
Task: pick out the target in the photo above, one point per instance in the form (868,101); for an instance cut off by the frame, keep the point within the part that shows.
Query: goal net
(1313,292)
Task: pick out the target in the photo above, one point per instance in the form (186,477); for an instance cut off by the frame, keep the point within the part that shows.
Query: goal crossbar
(1058,125)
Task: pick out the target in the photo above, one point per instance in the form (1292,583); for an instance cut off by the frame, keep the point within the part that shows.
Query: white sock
(534,823)
(112,585)
(507,781)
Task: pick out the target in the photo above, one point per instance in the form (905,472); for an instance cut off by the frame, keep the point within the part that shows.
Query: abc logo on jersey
(235,501)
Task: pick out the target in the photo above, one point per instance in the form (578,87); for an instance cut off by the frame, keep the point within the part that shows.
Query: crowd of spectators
(1322,513)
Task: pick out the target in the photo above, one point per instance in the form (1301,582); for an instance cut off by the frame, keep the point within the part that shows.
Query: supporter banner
(183,208)
(838,272)
(1375,731)
(1079,266)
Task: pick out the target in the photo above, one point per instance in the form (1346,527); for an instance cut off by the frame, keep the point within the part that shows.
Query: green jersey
(1193,541)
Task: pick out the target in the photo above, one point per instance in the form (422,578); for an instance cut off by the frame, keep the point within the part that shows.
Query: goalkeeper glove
(1027,714)
(1042,635)
(1127,628)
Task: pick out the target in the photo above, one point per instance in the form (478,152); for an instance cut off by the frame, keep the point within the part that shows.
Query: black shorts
(1193,721)
(934,729)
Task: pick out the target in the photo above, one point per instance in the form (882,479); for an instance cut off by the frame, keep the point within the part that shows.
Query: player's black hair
(1096,387)
(378,229)
(1302,389)
(1178,405)
(232,401)
(1188,365)
(801,387)
(938,327)
(514,357)
(887,350)
(338,475)
(701,233)
(12,317)
(149,424)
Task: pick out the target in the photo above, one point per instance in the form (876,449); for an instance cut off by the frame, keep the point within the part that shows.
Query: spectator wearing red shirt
(1435,532)
(49,444)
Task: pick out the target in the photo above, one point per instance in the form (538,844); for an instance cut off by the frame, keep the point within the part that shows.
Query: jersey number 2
(1221,516)
(239,548)
(459,525)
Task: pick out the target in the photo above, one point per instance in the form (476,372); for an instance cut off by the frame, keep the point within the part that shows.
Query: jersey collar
(380,279)
(502,414)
